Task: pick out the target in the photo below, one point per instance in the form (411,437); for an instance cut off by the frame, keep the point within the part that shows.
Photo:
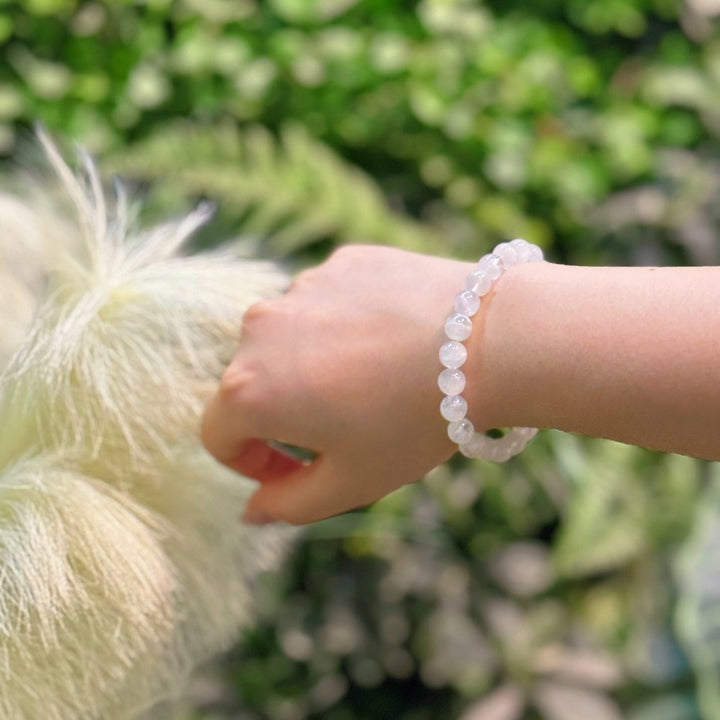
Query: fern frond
(292,191)
(624,502)
(605,524)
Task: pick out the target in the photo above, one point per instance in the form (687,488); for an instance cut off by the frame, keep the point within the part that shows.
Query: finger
(303,496)
(224,429)
(260,461)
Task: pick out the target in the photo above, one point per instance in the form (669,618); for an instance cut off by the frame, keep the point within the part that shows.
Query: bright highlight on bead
(453,354)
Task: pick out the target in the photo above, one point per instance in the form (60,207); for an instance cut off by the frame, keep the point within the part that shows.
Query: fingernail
(256,517)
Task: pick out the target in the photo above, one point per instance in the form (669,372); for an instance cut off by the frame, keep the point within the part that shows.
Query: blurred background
(581,580)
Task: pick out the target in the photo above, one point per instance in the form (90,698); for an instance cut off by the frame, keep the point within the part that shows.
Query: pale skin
(345,364)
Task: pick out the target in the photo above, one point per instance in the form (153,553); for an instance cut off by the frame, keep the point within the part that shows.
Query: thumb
(308,493)
(259,460)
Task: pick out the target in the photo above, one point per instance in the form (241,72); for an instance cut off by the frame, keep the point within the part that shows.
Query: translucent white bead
(491,265)
(536,254)
(507,253)
(479,282)
(493,449)
(522,434)
(516,446)
(467,303)
(458,327)
(499,453)
(522,248)
(460,432)
(453,408)
(451,381)
(475,447)
(453,354)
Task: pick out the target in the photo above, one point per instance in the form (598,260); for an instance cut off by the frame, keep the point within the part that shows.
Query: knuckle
(235,387)
(354,249)
(257,317)
(340,259)
(245,392)
(350,253)
(302,279)
(255,313)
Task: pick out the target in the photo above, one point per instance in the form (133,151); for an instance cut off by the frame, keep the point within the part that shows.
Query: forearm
(631,354)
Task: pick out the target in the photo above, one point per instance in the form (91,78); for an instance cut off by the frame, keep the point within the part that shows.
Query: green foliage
(291,193)
(589,126)
(491,119)
(699,610)
(607,524)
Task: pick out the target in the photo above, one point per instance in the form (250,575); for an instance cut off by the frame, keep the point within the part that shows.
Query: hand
(345,364)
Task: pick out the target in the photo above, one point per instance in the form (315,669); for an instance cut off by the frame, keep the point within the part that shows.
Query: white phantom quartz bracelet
(453,354)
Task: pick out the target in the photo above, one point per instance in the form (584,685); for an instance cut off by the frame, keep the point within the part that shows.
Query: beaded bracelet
(453,354)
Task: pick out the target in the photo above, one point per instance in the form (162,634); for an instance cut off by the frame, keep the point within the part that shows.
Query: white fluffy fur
(122,561)
(31,240)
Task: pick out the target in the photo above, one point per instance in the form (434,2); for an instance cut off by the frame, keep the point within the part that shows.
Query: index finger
(225,425)
(230,439)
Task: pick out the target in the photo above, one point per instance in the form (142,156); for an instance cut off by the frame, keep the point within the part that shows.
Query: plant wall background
(577,581)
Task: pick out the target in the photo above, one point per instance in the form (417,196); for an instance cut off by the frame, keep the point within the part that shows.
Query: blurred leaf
(626,503)
(605,523)
(505,703)
(311,10)
(675,706)
(698,615)
(522,568)
(586,667)
(562,702)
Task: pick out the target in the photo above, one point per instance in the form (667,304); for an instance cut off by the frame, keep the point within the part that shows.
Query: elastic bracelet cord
(453,354)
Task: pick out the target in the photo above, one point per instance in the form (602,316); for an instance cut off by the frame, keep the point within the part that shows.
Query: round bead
(458,327)
(476,447)
(479,283)
(467,303)
(516,446)
(514,440)
(536,254)
(451,381)
(522,248)
(507,253)
(460,432)
(499,453)
(453,408)
(453,354)
(491,265)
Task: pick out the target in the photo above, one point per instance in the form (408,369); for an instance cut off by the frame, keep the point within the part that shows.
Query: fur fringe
(122,562)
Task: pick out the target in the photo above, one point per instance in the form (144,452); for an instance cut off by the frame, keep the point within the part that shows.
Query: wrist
(513,385)
(475,300)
